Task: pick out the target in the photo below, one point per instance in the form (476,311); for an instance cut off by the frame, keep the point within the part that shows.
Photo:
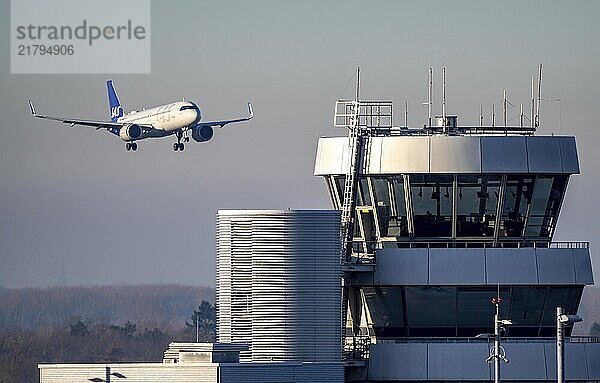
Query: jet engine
(202,133)
(130,132)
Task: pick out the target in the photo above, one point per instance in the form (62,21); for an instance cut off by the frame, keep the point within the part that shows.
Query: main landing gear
(131,146)
(179,145)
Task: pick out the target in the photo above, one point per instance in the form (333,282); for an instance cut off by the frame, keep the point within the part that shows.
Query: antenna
(429,93)
(493,115)
(539,97)
(532,102)
(444,99)
(357,82)
(481,116)
(406,114)
(429,97)
(504,108)
(521,117)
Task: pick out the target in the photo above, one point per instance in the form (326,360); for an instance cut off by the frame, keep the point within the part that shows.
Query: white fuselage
(170,117)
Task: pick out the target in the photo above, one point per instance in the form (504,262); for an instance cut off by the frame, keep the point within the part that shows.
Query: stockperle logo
(80,36)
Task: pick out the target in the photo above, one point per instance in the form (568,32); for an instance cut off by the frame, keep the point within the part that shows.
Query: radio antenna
(539,98)
(532,102)
(357,82)
(429,94)
(480,116)
(444,99)
(504,108)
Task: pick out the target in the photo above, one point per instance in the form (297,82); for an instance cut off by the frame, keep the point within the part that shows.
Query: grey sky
(76,208)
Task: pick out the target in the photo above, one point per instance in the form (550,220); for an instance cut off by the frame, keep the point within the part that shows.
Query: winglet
(250,111)
(31,107)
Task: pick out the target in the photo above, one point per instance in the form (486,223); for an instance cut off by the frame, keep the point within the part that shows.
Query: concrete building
(193,363)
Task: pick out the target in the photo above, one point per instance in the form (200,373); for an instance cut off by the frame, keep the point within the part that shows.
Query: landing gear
(131,146)
(179,145)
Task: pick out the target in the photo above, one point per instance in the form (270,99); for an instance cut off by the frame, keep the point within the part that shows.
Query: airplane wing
(222,123)
(72,121)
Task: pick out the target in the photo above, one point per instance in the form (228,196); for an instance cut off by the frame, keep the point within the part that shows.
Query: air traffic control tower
(440,221)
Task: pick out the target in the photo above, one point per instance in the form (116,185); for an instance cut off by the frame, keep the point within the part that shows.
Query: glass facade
(434,210)
(476,208)
(390,203)
(476,205)
(432,197)
(516,203)
(547,197)
(448,311)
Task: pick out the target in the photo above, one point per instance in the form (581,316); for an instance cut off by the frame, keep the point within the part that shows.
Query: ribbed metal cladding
(278,283)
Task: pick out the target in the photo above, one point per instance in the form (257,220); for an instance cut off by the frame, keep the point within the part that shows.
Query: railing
(361,254)
(449,244)
(356,348)
(572,339)
(372,114)
(569,245)
(583,339)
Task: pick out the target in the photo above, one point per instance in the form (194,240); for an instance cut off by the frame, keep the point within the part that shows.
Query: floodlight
(570,318)
(485,335)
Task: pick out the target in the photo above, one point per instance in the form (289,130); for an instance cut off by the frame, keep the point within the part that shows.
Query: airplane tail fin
(116,110)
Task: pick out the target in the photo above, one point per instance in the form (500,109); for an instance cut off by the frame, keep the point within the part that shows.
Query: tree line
(83,341)
(98,324)
(34,308)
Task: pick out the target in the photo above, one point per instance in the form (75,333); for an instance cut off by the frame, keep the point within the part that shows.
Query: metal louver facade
(278,284)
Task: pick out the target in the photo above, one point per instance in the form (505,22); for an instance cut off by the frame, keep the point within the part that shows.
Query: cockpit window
(185,107)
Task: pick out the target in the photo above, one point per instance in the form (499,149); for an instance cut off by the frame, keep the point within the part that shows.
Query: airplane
(177,118)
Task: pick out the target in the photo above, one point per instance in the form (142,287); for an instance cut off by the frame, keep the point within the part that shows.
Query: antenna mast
(532,102)
(481,116)
(444,99)
(357,83)
(504,108)
(521,117)
(539,97)
(429,97)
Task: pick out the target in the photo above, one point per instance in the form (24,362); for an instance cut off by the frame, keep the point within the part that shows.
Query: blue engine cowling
(202,133)
(130,132)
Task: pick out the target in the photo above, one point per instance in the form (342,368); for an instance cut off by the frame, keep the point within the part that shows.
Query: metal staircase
(363,119)
(355,146)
